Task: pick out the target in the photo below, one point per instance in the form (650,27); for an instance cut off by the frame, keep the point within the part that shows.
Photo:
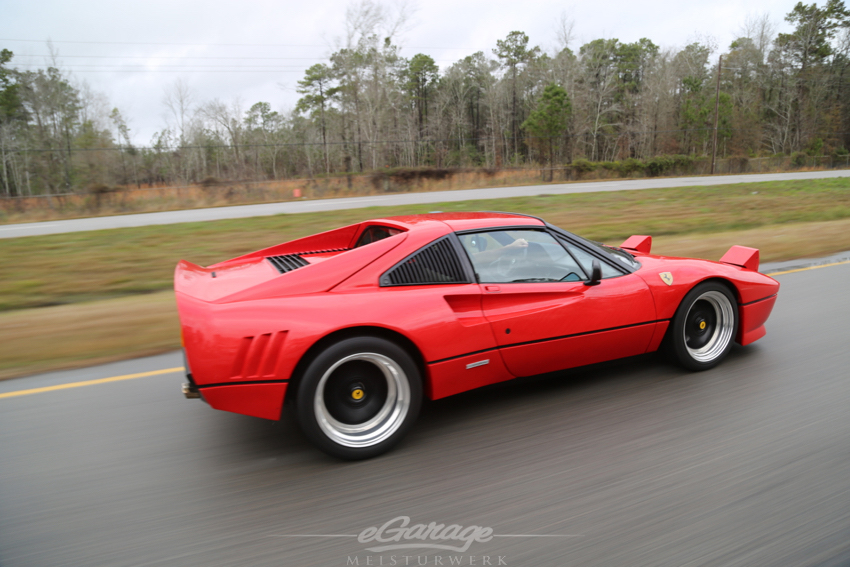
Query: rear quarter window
(374,234)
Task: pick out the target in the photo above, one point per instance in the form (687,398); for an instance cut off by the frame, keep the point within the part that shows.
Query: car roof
(462,221)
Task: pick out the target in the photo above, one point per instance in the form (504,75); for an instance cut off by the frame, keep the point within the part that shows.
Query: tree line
(368,108)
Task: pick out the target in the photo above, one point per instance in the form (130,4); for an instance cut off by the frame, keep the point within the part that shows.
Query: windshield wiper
(534,280)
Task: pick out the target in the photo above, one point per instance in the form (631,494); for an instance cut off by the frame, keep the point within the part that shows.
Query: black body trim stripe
(249,382)
(463,355)
(549,339)
(757,300)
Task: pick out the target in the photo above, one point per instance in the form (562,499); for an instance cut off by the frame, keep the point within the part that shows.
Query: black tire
(359,397)
(704,327)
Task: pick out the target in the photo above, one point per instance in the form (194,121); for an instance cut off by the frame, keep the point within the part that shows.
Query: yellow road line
(808,268)
(90,382)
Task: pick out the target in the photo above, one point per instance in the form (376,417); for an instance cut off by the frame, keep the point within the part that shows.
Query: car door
(542,313)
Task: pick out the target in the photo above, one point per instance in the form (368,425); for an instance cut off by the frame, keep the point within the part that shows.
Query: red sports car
(354,326)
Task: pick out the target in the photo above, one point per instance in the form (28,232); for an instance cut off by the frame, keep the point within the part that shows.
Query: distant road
(290,207)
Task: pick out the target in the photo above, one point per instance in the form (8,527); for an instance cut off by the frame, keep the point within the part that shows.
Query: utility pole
(716,108)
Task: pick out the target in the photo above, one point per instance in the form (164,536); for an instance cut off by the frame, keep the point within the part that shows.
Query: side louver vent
(436,264)
(258,356)
(287,262)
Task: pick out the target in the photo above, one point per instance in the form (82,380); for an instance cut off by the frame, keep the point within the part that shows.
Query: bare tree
(180,100)
(226,120)
(761,29)
(565,31)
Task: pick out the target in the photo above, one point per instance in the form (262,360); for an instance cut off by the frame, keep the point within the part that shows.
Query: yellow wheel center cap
(702,325)
(357,394)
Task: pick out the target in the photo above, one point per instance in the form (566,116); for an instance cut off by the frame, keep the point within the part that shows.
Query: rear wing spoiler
(743,257)
(639,243)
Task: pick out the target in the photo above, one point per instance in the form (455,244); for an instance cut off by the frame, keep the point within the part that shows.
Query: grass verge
(82,334)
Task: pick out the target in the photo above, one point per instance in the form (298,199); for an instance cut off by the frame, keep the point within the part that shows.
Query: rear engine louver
(436,264)
(287,262)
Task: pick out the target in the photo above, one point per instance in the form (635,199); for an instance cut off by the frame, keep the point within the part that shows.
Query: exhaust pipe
(190,391)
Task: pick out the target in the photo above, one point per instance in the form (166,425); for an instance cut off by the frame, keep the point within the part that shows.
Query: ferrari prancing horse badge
(666,277)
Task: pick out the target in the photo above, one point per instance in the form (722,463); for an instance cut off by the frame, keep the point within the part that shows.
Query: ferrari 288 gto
(352,328)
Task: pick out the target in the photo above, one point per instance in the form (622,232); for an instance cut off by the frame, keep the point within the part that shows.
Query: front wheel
(359,397)
(704,326)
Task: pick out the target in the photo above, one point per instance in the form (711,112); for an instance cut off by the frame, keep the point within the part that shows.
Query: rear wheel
(704,326)
(359,397)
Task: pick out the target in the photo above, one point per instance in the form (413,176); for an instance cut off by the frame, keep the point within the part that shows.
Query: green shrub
(798,159)
(630,166)
(658,165)
(583,166)
(815,147)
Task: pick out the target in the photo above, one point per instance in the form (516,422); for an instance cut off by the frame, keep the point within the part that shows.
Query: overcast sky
(257,50)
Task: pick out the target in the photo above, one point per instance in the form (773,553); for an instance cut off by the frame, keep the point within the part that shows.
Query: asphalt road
(629,464)
(245,211)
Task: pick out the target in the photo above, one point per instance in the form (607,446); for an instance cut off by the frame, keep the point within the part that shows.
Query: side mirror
(595,274)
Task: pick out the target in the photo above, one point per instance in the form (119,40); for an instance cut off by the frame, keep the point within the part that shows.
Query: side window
(513,256)
(586,261)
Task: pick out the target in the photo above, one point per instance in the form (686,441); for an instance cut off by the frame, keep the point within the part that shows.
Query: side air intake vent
(436,264)
(287,262)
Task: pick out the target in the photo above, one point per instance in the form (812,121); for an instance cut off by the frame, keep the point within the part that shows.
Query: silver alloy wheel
(723,327)
(384,423)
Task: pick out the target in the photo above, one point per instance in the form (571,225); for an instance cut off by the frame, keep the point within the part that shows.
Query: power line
(153,67)
(182,71)
(211,44)
(165,43)
(171,57)
(179,57)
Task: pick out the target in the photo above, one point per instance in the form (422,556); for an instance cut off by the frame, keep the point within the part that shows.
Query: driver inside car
(514,249)
(519,256)
(497,261)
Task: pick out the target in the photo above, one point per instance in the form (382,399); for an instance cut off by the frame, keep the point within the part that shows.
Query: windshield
(618,255)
